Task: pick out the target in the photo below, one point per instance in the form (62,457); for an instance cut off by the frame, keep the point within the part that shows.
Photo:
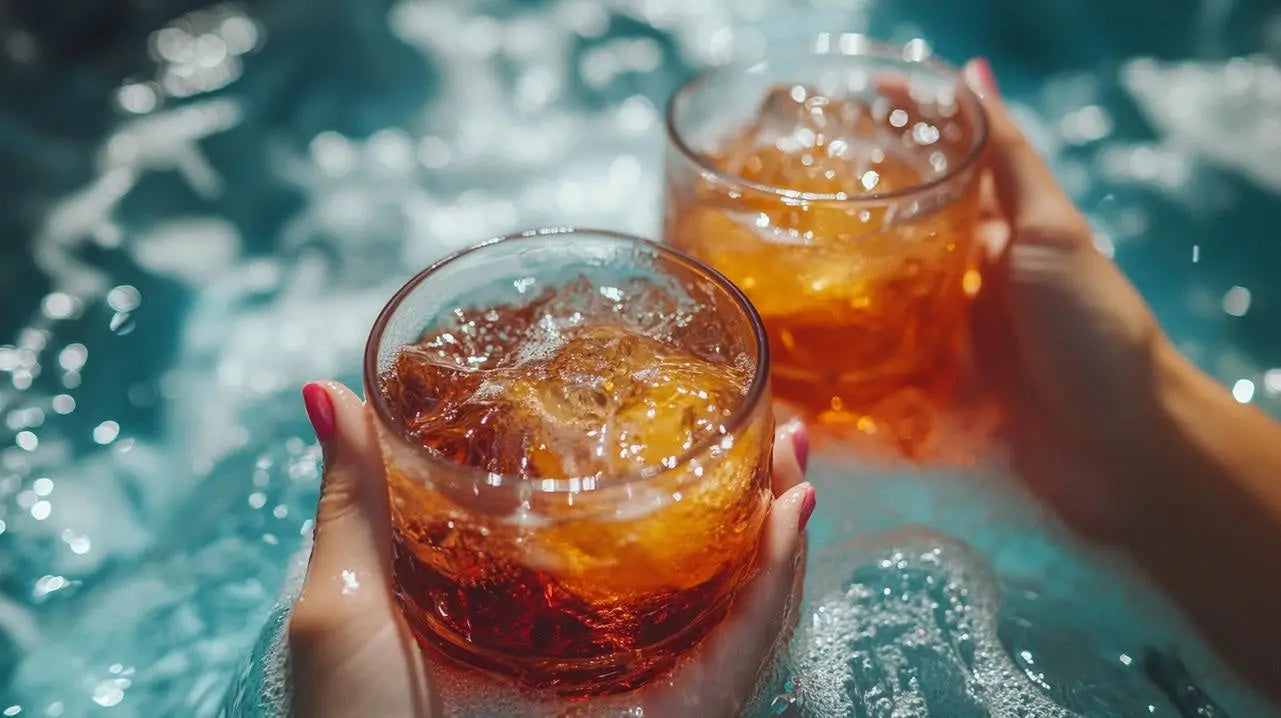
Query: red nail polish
(807,508)
(801,445)
(320,410)
(984,75)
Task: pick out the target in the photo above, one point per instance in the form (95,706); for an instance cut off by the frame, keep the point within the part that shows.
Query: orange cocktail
(839,189)
(577,432)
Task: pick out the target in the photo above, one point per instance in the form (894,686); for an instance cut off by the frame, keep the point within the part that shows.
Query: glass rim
(863,48)
(756,389)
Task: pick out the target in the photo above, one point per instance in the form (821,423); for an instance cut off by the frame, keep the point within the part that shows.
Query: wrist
(1204,521)
(1190,410)
(1162,443)
(1197,446)
(1180,394)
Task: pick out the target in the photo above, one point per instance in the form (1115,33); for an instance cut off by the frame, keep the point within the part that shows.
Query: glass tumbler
(837,185)
(577,430)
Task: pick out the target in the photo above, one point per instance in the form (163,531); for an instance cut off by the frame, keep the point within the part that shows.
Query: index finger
(718,677)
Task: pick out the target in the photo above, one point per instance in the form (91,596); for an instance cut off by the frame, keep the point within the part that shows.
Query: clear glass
(514,549)
(838,187)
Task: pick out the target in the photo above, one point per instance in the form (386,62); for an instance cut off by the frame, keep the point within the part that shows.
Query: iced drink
(577,456)
(839,190)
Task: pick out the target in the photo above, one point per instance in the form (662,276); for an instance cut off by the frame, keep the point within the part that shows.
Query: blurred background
(204,206)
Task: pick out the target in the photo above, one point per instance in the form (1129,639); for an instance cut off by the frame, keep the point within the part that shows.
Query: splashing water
(910,631)
(222,225)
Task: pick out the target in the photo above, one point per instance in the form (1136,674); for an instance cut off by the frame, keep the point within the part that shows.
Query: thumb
(353,531)
(349,651)
(721,673)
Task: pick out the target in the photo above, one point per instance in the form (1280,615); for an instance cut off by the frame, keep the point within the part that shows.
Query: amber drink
(577,430)
(838,188)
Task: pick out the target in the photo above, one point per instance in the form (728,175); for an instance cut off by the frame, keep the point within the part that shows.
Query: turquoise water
(205,208)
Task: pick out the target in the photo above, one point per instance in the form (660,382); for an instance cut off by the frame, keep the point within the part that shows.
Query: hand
(353,655)
(1073,350)
(1116,430)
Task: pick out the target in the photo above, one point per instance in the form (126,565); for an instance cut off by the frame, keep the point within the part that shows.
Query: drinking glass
(837,185)
(576,428)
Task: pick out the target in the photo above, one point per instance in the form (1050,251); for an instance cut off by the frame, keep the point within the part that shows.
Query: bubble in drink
(597,588)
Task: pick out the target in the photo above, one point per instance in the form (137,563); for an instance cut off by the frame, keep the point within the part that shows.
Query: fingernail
(981,76)
(807,508)
(320,410)
(801,445)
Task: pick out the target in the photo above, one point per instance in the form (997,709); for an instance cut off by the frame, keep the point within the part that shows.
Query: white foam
(276,693)
(881,614)
(544,338)
(1225,111)
(195,250)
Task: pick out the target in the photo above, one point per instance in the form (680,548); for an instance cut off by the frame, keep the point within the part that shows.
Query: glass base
(570,678)
(901,410)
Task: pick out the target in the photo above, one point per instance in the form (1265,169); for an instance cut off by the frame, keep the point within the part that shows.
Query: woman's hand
(1112,427)
(353,655)
(1071,347)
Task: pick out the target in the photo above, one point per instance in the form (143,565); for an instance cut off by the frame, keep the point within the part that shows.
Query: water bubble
(138,98)
(63,404)
(239,33)
(122,323)
(636,115)
(59,305)
(124,298)
(1236,301)
(924,133)
(106,432)
(79,544)
(73,357)
(917,50)
(1243,391)
(1272,382)
(47,585)
(110,692)
(28,418)
(27,440)
(392,151)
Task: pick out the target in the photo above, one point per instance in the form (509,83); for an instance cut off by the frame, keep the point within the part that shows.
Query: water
(203,218)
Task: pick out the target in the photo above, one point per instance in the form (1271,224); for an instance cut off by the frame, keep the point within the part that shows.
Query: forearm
(1208,525)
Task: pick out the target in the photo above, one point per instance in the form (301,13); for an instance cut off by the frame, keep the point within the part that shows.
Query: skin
(353,655)
(1129,441)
